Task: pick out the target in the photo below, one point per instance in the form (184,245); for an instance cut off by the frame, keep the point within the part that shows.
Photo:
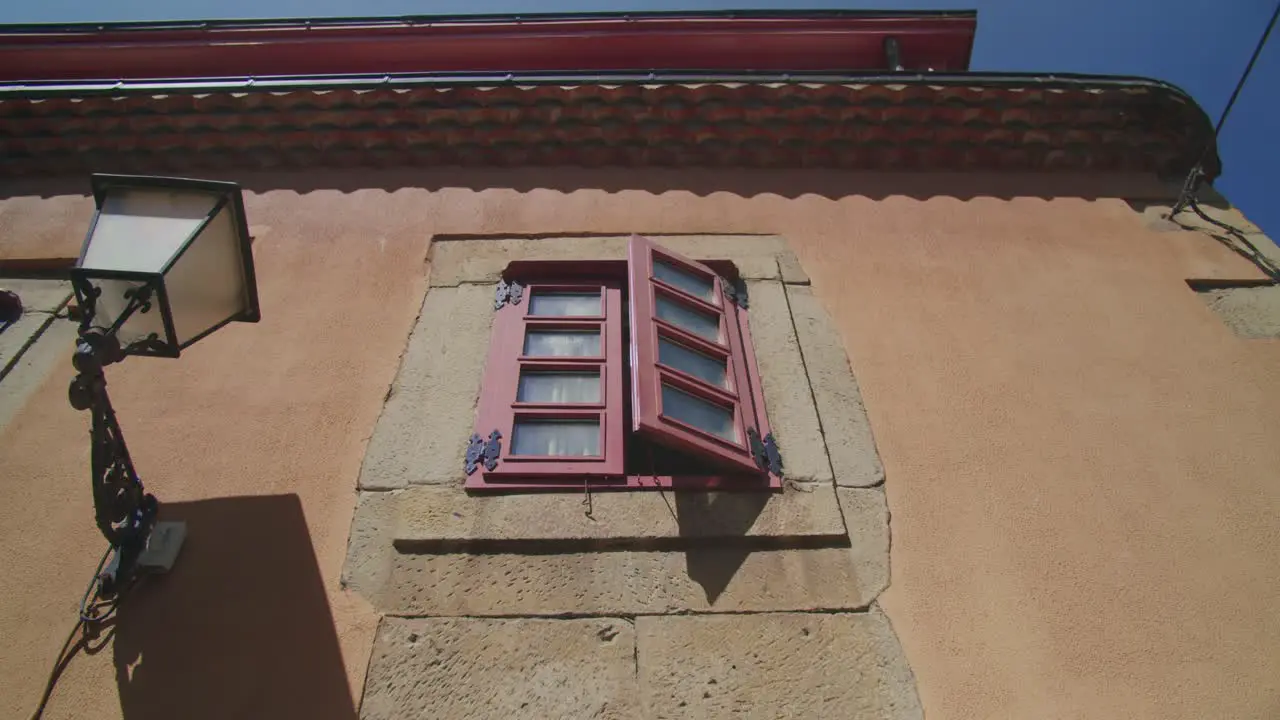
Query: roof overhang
(959,122)
(757,41)
(87,112)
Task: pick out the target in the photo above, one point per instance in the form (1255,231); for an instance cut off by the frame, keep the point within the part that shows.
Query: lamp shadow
(728,516)
(240,628)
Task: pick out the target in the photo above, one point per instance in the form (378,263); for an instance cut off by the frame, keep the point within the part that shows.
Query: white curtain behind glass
(561,438)
(559,387)
(562,343)
(564,304)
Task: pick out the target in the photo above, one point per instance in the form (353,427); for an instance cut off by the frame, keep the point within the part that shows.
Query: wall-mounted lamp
(167,261)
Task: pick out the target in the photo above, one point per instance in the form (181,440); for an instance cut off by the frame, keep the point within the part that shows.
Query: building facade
(1025,420)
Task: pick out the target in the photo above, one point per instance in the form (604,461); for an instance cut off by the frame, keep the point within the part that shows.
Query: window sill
(476,483)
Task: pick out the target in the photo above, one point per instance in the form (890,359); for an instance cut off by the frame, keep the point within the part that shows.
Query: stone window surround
(808,563)
(809,391)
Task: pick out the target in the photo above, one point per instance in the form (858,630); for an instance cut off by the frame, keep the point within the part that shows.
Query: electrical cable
(91,616)
(1191,186)
(1238,242)
(1196,175)
(1253,59)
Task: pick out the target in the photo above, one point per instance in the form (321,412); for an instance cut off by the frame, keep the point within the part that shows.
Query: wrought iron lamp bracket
(124,511)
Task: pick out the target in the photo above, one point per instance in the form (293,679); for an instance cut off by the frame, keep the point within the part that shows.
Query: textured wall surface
(1080,456)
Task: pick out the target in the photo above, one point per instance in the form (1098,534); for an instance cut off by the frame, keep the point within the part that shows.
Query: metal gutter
(79,88)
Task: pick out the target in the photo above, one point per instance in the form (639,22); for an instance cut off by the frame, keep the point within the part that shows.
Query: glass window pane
(563,304)
(561,438)
(683,316)
(715,419)
(695,285)
(562,343)
(559,387)
(695,363)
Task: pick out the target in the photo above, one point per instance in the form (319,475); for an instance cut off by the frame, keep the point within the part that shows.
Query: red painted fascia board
(593,43)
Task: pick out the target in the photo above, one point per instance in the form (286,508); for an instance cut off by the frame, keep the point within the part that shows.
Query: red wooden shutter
(694,381)
(537,393)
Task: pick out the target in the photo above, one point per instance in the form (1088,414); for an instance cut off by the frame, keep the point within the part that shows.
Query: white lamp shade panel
(140,229)
(207,283)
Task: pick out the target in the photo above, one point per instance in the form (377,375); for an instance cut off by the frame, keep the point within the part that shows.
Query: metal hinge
(507,292)
(479,449)
(735,291)
(766,453)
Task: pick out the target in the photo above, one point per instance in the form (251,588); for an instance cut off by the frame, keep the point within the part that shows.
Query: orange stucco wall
(1081,459)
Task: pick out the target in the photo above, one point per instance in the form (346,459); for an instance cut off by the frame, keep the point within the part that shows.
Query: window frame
(500,407)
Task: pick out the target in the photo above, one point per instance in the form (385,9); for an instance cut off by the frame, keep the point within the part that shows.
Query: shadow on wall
(743,182)
(712,566)
(240,628)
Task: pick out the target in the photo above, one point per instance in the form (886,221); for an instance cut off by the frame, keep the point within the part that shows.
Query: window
(636,374)
(552,386)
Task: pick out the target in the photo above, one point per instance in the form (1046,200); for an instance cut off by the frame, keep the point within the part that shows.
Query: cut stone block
(844,417)
(792,271)
(1252,312)
(369,550)
(482,260)
(774,666)
(866,513)
(447,515)
(422,433)
(556,580)
(787,396)
(627,582)
(502,669)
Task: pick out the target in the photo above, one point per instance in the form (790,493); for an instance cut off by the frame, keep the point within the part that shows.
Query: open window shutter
(694,383)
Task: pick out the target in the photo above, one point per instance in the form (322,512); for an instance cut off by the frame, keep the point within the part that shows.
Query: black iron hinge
(765,451)
(481,450)
(507,292)
(735,291)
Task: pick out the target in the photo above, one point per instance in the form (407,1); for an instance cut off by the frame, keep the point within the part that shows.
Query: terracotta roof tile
(863,126)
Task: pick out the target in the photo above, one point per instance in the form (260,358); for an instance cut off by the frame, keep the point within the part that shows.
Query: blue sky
(1201,46)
